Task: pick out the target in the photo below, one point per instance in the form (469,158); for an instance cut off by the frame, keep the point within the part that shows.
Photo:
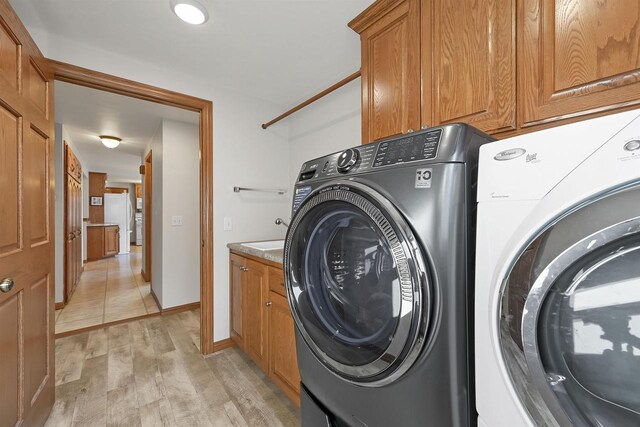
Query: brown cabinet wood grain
(261,322)
(102,241)
(111,240)
(255,313)
(469,63)
(97,185)
(577,57)
(72,222)
(237,282)
(283,362)
(390,69)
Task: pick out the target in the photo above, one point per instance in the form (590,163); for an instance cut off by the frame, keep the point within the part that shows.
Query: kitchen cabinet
(575,59)
(72,222)
(111,240)
(103,240)
(261,322)
(138,190)
(97,186)
(390,68)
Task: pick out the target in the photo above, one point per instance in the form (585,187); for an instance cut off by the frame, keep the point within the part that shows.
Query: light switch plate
(228,223)
(176,220)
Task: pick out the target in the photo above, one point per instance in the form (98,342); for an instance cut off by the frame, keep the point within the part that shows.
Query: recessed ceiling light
(190,11)
(110,141)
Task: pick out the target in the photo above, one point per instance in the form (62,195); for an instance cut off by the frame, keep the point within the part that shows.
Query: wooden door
(111,240)
(148,188)
(469,63)
(255,313)
(390,70)
(577,57)
(72,222)
(236,282)
(26,228)
(283,359)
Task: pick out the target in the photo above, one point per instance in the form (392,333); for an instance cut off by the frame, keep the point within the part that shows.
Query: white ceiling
(87,113)
(281,51)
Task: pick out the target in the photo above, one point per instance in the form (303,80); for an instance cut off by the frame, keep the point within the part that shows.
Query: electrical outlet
(228,224)
(176,220)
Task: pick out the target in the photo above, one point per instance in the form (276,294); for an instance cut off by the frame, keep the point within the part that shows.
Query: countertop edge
(275,256)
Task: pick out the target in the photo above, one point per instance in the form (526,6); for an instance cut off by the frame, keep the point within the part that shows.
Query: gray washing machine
(379,276)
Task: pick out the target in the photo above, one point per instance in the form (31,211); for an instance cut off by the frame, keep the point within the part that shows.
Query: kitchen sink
(265,246)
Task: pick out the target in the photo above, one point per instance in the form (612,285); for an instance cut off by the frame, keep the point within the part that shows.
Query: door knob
(6,285)
(268,303)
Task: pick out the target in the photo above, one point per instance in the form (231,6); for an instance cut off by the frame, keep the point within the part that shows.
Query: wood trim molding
(96,80)
(372,14)
(223,344)
(180,308)
(60,305)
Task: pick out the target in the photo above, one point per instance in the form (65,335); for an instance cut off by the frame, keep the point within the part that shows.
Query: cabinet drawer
(276,281)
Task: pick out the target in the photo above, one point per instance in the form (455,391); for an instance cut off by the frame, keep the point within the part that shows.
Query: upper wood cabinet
(469,63)
(390,38)
(577,57)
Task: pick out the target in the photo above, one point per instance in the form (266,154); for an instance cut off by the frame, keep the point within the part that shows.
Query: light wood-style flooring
(150,372)
(109,290)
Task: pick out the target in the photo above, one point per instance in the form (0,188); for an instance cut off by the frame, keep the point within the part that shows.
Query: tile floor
(150,372)
(109,290)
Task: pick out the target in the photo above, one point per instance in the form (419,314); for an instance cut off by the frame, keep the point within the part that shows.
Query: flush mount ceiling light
(190,11)
(110,141)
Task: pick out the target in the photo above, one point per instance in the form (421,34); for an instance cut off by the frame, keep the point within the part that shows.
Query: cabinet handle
(244,269)
(268,303)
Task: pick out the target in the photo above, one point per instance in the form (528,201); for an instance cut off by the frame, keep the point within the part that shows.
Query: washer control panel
(423,146)
(412,147)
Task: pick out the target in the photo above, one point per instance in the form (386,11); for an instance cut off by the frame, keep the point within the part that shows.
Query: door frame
(148,200)
(96,80)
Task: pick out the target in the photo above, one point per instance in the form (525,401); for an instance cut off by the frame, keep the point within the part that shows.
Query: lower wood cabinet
(261,322)
(102,241)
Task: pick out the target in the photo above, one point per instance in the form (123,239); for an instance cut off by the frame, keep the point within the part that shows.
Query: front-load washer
(557,306)
(378,273)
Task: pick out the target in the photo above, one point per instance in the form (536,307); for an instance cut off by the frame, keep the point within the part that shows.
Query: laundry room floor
(150,373)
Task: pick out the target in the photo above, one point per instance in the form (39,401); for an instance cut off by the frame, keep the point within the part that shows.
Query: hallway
(109,290)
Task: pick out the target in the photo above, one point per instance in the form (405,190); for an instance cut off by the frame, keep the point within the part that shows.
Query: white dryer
(557,300)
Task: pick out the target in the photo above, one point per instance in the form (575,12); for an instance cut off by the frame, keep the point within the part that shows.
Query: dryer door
(571,317)
(357,284)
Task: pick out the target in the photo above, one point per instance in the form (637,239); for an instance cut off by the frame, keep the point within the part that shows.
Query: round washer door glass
(589,336)
(570,321)
(356,283)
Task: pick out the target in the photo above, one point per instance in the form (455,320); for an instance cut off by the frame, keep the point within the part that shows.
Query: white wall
(328,125)
(60,138)
(181,197)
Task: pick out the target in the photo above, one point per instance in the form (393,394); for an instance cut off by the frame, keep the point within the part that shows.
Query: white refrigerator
(118,210)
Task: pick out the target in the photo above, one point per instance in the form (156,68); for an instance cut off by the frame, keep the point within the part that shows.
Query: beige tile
(81,310)
(78,324)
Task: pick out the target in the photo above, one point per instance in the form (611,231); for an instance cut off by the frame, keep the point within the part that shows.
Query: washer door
(357,284)
(571,317)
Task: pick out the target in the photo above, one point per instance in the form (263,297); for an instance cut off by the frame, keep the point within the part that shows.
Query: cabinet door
(236,282)
(283,360)
(276,281)
(390,43)
(577,57)
(111,241)
(255,313)
(469,63)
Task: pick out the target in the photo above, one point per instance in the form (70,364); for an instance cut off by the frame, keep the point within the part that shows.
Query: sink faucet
(280,221)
